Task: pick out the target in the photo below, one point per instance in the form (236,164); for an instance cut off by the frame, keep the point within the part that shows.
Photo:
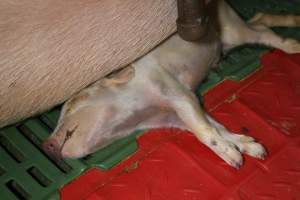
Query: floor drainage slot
(17,190)
(37,175)
(47,122)
(11,150)
(2,171)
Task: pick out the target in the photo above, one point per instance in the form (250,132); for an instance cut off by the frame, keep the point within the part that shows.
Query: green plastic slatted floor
(27,173)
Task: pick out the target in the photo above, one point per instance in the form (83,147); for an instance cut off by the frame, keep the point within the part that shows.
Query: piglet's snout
(52,147)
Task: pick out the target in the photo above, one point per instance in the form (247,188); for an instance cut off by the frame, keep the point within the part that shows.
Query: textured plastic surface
(171,164)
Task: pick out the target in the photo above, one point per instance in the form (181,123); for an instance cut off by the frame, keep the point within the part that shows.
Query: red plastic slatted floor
(174,165)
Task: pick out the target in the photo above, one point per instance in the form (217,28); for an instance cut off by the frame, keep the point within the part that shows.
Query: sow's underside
(51,49)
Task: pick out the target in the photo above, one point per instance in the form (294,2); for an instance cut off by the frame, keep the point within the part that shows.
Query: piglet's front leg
(225,144)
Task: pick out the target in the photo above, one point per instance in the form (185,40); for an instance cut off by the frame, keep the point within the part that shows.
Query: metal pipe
(192,20)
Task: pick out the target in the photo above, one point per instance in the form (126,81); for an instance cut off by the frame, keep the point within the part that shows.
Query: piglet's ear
(119,77)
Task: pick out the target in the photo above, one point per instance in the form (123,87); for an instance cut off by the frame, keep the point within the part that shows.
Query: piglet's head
(89,121)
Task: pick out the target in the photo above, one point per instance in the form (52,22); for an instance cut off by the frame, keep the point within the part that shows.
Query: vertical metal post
(192,20)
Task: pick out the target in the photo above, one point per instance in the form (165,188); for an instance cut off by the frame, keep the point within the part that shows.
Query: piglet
(157,91)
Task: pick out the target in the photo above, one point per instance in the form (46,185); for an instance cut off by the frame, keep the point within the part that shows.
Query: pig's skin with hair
(50,49)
